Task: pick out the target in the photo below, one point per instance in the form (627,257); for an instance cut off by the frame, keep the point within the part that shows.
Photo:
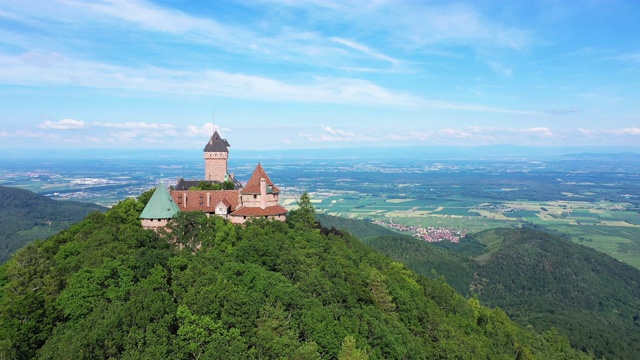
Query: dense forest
(26,216)
(209,289)
(539,279)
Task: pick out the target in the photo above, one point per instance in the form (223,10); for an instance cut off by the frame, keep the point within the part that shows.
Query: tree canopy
(540,280)
(210,185)
(209,289)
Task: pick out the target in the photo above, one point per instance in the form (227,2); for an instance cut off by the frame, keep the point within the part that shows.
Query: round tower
(216,154)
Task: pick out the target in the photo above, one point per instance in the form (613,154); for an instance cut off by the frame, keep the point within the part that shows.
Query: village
(428,234)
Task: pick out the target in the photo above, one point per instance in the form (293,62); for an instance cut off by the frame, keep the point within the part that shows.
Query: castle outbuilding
(159,209)
(259,198)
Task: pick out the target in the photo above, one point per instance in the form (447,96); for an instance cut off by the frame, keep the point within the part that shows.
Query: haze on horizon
(318,74)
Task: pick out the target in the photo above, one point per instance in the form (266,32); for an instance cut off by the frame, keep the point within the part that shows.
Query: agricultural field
(604,226)
(593,199)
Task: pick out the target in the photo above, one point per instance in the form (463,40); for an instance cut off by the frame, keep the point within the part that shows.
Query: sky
(296,74)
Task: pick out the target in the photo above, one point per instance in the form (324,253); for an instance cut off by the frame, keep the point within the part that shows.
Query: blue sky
(318,74)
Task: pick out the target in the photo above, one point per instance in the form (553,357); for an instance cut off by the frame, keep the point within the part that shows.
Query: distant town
(428,234)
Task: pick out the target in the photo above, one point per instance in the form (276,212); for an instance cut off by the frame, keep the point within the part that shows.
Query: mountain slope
(538,279)
(106,288)
(547,281)
(26,216)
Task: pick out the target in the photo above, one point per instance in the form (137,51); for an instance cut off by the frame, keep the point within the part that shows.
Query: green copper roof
(160,206)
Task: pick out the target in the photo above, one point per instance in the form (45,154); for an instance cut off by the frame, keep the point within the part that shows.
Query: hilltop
(26,216)
(539,279)
(106,288)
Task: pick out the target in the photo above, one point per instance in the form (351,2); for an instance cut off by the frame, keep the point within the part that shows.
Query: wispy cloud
(366,50)
(18,134)
(415,24)
(280,42)
(631,58)
(444,135)
(563,111)
(134,125)
(71,72)
(625,131)
(64,124)
(330,134)
(404,26)
(114,131)
(500,69)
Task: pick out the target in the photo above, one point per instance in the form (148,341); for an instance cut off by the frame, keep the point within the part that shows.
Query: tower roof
(253,185)
(160,206)
(217,144)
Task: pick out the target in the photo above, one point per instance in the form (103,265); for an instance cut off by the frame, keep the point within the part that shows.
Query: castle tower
(216,153)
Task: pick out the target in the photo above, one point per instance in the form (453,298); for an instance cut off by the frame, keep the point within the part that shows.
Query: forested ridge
(539,279)
(208,289)
(26,216)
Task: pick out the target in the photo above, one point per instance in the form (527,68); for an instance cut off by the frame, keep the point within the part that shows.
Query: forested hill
(537,278)
(106,288)
(26,216)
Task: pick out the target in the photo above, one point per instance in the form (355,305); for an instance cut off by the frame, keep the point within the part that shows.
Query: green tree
(203,337)
(228,185)
(305,214)
(349,351)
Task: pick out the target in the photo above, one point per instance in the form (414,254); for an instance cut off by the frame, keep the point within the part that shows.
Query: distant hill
(537,278)
(105,289)
(26,216)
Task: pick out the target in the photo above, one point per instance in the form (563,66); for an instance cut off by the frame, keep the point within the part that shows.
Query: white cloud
(134,125)
(366,50)
(330,134)
(587,132)
(64,124)
(539,131)
(474,134)
(337,131)
(217,83)
(205,130)
(454,133)
(626,131)
(401,25)
(414,24)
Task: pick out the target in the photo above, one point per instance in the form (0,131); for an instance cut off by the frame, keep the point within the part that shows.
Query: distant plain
(593,199)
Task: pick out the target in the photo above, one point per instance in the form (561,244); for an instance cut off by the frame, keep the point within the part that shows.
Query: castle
(258,198)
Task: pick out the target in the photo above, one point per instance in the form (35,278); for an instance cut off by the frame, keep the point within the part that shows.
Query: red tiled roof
(197,199)
(253,185)
(256,211)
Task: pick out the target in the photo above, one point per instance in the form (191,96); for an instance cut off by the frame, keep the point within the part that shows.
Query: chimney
(263,193)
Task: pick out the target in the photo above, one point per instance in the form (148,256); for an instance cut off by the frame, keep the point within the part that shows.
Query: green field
(604,226)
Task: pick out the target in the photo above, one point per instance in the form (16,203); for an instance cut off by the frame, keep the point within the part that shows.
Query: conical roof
(217,144)
(253,185)
(160,206)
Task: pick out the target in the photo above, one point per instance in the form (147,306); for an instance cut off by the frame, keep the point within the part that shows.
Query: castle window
(255,196)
